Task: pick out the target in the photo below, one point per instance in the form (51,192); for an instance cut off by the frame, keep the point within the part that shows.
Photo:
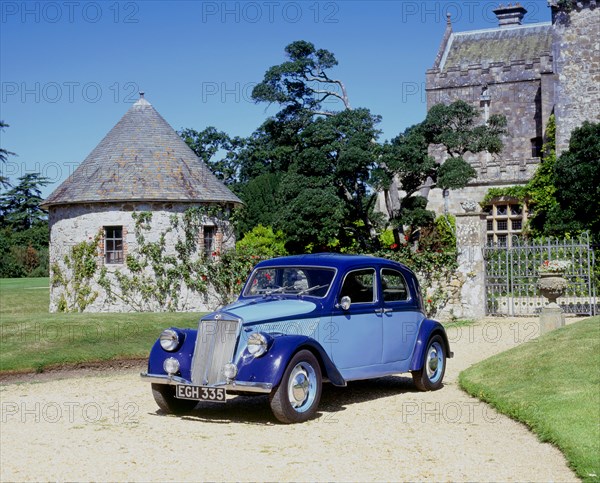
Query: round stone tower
(141,166)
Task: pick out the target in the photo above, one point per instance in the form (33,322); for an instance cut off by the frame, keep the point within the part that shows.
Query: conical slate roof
(141,159)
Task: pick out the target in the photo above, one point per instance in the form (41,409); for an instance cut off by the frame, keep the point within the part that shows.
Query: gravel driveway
(107,427)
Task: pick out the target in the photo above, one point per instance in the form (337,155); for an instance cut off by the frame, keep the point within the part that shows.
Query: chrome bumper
(242,386)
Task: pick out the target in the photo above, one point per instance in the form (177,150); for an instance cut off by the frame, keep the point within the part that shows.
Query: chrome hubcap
(302,386)
(434,362)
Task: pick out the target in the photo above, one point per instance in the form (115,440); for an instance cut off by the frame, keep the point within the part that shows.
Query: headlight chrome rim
(170,340)
(257,344)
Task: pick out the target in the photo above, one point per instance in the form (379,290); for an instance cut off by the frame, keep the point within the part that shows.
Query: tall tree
(325,155)
(406,163)
(325,195)
(262,203)
(217,150)
(4,154)
(576,178)
(20,206)
(303,82)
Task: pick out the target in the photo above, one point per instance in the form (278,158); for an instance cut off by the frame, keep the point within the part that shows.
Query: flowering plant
(554,266)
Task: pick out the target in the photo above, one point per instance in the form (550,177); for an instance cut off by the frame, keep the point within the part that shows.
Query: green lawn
(33,339)
(552,384)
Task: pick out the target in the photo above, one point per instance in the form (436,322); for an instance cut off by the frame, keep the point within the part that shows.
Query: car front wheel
(164,395)
(430,377)
(296,398)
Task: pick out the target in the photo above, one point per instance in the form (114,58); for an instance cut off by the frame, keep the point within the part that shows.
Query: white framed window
(504,219)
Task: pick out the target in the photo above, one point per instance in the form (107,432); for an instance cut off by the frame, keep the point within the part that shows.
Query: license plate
(200,393)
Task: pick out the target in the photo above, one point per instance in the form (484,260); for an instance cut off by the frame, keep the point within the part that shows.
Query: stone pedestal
(551,318)
(552,286)
(470,240)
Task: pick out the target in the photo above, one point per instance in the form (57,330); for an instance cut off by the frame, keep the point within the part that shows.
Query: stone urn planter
(552,285)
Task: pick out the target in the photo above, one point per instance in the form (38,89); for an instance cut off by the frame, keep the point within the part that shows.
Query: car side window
(359,285)
(393,285)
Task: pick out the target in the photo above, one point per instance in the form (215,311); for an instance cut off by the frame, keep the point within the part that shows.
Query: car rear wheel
(297,397)
(430,377)
(164,395)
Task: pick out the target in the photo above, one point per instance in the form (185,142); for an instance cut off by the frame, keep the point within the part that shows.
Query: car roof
(334,260)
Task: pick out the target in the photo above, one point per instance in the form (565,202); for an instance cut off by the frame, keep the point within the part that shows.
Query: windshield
(290,280)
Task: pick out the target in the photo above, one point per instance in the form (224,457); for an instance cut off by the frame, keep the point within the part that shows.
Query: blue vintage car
(301,321)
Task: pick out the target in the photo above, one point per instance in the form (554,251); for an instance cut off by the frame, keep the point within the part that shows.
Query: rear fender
(428,329)
(270,367)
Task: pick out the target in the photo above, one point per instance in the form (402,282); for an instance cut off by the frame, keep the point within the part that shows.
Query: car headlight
(230,370)
(257,344)
(170,340)
(171,366)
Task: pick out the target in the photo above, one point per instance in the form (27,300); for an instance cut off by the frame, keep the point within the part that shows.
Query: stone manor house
(525,72)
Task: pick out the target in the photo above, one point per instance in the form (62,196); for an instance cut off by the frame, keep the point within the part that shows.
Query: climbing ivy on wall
(80,266)
(157,275)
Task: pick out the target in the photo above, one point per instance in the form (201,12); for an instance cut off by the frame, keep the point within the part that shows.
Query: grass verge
(552,384)
(31,339)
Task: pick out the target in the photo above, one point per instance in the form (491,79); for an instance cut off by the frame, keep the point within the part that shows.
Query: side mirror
(345,303)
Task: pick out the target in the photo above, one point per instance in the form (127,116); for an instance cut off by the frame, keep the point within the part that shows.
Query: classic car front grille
(215,346)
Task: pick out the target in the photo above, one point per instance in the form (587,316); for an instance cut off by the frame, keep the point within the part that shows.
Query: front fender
(184,354)
(428,329)
(270,367)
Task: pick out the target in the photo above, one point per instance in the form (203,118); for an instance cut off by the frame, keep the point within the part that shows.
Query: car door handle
(383,311)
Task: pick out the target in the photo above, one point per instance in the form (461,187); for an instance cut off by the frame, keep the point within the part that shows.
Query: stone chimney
(510,15)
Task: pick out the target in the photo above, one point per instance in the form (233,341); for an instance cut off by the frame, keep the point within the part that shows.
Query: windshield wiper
(310,289)
(275,290)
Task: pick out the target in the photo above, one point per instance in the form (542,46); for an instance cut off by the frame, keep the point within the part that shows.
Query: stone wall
(516,90)
(445,294)
(576,41)
(71,225)
(463,291)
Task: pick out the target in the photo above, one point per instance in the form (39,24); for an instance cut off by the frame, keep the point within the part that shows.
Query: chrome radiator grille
(215,346)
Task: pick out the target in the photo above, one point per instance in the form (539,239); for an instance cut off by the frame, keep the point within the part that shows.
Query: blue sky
(70,69)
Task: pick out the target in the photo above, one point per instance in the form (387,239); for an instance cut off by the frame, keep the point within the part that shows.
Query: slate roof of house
(522,42)
(141,159)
